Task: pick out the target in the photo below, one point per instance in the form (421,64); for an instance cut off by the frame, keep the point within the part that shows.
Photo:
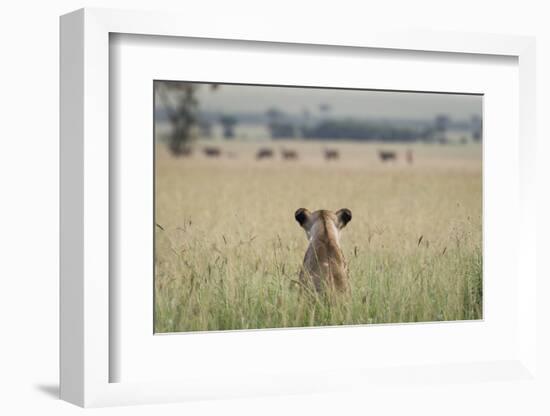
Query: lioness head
(320,221)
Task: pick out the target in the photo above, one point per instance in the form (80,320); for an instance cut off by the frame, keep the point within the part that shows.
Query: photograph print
(290,206)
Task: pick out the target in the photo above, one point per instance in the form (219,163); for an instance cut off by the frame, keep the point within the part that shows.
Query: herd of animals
(324,266)
(291,154)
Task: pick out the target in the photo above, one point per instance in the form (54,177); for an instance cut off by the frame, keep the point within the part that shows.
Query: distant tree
(228,124)
(349,129)
(442,122)
(441,125)
(278,126)
(179,101)
(477,127)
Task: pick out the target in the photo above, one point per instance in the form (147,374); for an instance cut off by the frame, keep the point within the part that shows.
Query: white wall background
(29,99)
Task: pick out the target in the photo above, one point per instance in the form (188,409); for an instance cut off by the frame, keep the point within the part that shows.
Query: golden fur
(324,263)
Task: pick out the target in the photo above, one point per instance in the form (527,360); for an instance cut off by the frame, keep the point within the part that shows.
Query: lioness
(324,262)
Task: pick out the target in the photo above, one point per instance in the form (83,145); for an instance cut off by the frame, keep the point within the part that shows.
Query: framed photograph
(235,249)
(267,212)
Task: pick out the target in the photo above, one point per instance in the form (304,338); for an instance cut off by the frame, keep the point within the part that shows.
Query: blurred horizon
(186,111)
(352,103)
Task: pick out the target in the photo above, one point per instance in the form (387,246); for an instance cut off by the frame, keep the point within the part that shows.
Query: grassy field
(227,246)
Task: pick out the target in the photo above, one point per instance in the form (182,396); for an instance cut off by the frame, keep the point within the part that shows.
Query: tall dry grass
(228,248)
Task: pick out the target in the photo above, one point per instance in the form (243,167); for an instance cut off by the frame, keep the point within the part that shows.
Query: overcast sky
(346,103)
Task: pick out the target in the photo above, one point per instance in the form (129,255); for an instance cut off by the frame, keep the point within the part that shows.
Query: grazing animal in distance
(324,265)
(183,151)
(264,153)
(387,155)
(289,154)
(332,154)
(212,151)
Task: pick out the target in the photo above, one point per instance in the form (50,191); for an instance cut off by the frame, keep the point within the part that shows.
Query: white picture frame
(86,356)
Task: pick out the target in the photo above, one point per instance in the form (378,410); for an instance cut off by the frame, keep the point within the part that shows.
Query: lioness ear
(344,216)
(302,215)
